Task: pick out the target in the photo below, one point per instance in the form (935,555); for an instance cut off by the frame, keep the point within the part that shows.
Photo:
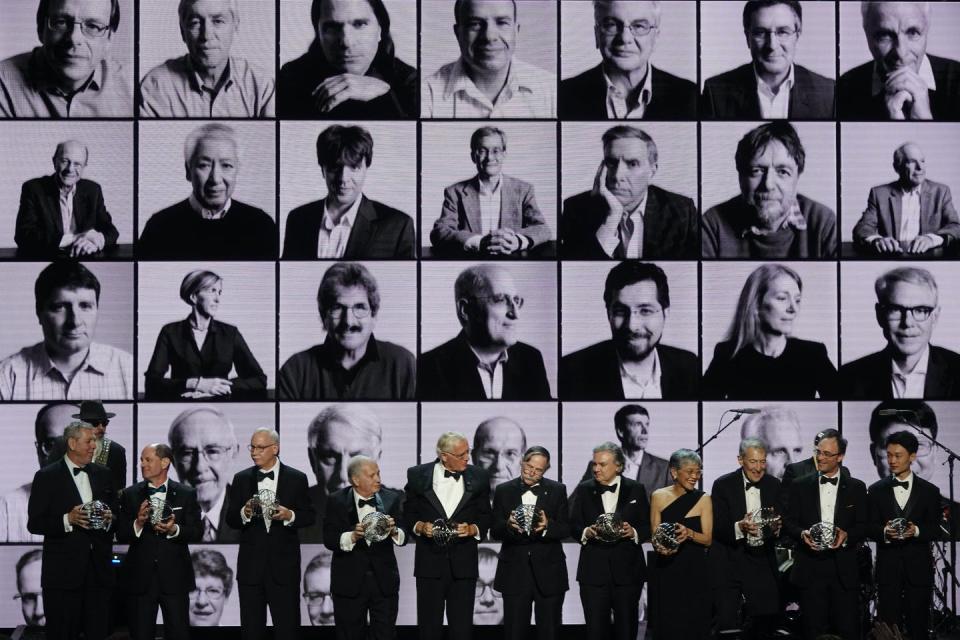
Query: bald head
(498,447)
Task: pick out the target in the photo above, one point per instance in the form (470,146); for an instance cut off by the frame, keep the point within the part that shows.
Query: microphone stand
(722,428)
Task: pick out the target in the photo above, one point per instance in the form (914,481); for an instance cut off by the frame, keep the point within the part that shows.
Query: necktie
(905,485)
(153,490)
(209,531)
(78,470)
(751,485)
(372,502)
(261,476)
(825,480)
(603,488)
(625,231)
(536,490)
(451,474)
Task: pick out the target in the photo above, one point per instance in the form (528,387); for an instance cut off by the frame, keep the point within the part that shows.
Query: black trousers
(827,607)
(599,600)
(456,594)
(70,612)
(142,612)
(900,600)
(525,595)
(350,614)
(284,603)
(750,577)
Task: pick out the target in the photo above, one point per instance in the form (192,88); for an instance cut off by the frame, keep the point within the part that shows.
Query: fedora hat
(92,411)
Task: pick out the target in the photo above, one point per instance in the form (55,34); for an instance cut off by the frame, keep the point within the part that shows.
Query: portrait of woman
(200,352)
(350,69)
(760,359)
(683,568)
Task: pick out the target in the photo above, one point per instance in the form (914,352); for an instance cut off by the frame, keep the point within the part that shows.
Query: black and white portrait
(214,603)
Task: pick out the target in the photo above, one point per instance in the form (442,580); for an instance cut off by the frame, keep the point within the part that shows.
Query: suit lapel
(740,496)
(610,378)
(894,200)
(749,102)
(654,231)
(428,491)
(623,499)
(936,381)
(469,488)
(928,217)
(510,210)
(351,506)
(364,226)
(907,510)
(471,205)
(52,198)
(799,96)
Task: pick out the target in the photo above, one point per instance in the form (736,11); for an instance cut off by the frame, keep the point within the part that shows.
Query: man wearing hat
(109,454)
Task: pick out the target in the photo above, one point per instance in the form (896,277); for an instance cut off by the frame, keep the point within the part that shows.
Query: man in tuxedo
(611,574)
(451,490)
(76,576)
(157,572)
(485,361)
(625,85)
(364,579)
(907,311)
(904,564)
(109,454)
(742,553)
(498,446)
(828,579)
(624,215)
(633,363)
(64,212)
(532,569)
(345,223)
(268,561)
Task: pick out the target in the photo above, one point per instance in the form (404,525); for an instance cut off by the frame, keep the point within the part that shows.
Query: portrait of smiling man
(72,73)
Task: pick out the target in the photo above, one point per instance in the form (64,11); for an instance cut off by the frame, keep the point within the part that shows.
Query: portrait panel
(218,605)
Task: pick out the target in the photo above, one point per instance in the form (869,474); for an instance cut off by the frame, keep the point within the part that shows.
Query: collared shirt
(491,375)
(269,484)
(13,516)
(27,90)
(449,490)
(160,496)
(212,518)
(332,240)
(209,214)
(631,466)
(753,504)
(609,500)
(634,388)
(900,494)
(828,497)
(66,215)
(82,481)
(174,89)
(529,92)
(489,205)
(610,241)
(106,373)
(910,385)
(774,105)
(910,214)
(346,538)
(925,73)
(617,107)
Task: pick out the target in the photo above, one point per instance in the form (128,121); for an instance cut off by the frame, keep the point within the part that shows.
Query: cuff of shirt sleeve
(400,538)
(243,517)
(67,527)
(293,516)
(346,541)
(176,532)
(137,530)
(525,242)
(937,240)
(473,243)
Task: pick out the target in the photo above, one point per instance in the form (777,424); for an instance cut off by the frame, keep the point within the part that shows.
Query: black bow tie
(261,476)
(78,470)
(536,490)
(372,502)
(905,485)
(751,485)
(452,474)
(153,490)
(825,480)
(603,488)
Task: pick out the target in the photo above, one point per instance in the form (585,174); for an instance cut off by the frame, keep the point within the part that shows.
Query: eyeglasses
(898,312)
(643,312)
(359,311)
(613,27)
(782,34)
(825,454)
(29,598)
(496,152)
(212,593)
(89,28)
(481,587)
(259,447)
(315,597)
(458,456)
(212,453)
(501,299)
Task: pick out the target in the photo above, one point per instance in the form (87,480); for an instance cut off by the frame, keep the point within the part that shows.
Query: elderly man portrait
(210,224)
(29,591)
(77,576)
(903,81)
(351,69)
(346,223)
(498,446)
(624,215)
(207,82)
(67,364)
(214,580)
(532,569)
(778,426)
(452,490)
(910,215)
(633,363)
(770,218)
(625,85)
(72,73)
(316,589)
(492,214)
(771,85)
(486,360)
(350,364)
(64,213)
(158,518)
(907,311)
(364,578)
(488,80)
(204,448)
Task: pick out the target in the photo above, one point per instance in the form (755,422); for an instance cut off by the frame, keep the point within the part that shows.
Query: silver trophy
(665,535)
(376,527)
(265,505)
(764,517)
(609,527)
(160,511)
(527,517)
(444,532)
(96,513)
(899,527)
(823,535)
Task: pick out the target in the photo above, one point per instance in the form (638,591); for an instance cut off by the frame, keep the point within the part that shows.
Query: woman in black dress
(680,587)
(761,360)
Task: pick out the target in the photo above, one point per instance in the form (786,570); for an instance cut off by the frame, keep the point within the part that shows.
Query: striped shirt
(106,374)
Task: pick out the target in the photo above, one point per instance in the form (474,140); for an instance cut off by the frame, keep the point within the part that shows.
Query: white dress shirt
(633,388)
(774,105)
(209,214)
(489,205)
(828,497)
(610,241)
(631,466)
(910,385)
(617,107)
(529,92)
(752,497)
(910,215)
(213,516)
(491,375)
(902,495)
(332,239)
(269,484)
(160,496)
(346,538)
(449,490)
(82,480)
(66,216)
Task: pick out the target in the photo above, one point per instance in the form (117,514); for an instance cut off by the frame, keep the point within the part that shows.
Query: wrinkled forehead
(894,16)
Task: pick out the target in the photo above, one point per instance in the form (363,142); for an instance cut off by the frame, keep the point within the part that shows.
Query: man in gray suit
(491,213)
(910,215)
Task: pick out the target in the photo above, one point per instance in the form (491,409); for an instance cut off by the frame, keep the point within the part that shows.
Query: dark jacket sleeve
(102,221)
(714,385)
(250,377)
(157,385)
(31,234)
(825,374)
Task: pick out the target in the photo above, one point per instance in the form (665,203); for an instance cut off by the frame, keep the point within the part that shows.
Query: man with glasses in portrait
(907,311)
(316,589)
(498,445)
(214,582)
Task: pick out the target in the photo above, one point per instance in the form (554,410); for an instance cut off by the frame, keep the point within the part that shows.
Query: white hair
(447,440)
(867,5)
(206,132)
(271,433)
(231,4)
(655,3)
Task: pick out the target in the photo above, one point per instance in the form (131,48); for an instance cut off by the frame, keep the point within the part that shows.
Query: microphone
(896,412)
(743,411)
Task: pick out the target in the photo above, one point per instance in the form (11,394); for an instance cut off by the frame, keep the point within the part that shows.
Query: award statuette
(444,532)
(265,505)
(899,527)
(823,535)
(609,527)
(160,511)
(96,513)
(665,535)
(764,517)
(527,517)
(376,527)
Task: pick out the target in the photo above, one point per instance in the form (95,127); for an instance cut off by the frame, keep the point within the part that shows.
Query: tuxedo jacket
(883,214)
(54,494)
(449,372)
(542,553)
(349,567)
(796,470)
(858,103)
(584,97)
(593,373)
(850,514)
(671,226)
(39,226)
(729,507)
(733,94)
(868,378)
(611,563)
(423,505)
(152,552)
(378,232)
(907,560)
(274,554)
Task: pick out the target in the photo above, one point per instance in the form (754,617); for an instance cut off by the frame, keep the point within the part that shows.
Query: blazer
(671,226)
(449,372)
(223,349)
(907,560)
(378,232)
(39,226)
(584,97)
(883,214)
(611,563)
(423,505)
(348,567)
(151,550)
(274,554)
(729,506)
(858,103)
(542,553)
(460,217)
(654,473)
(52,494)
(733,94)
(868,378)
(593,373)
(850,514)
